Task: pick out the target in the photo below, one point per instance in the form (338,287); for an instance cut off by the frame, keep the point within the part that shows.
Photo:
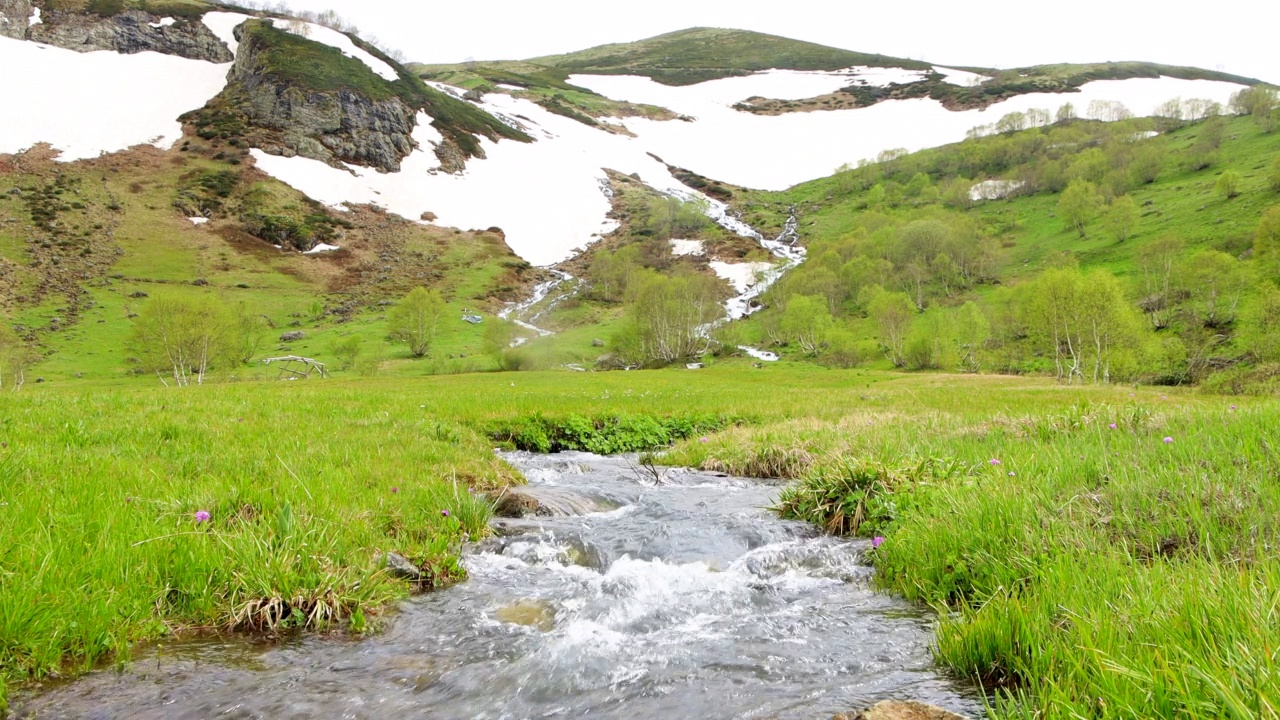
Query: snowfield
(86,104)
(546,195)
(774,152)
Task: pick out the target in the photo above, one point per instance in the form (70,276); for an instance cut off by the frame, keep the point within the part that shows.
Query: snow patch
(223,25)
(963,78)
(86,104)
(198,220)
(165,22)
(687,247)
(994,189)
(335,39)
(425,133)
(742,276)
(35,17)
(321,248)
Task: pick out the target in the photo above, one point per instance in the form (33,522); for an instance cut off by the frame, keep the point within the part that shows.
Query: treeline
(1061,148)
(186,339)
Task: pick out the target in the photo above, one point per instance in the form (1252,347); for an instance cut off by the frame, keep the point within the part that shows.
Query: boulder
(901,710)
(292,336)
(399,567)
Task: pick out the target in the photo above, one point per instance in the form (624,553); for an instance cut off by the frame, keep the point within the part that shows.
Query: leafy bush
(603,434)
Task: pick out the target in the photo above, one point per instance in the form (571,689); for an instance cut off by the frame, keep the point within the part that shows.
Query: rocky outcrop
(14,18)
(341,126)
(132,31)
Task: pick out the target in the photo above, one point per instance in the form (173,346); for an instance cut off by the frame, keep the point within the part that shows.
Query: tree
(806,322)
(611,273)
(186,337)
(670,217)
(1260,333)
(1122,217)
(1266,241)
(971,330)
(1214,283)
(1066,113)
(347,351)
(1147,163)
(499,333)
(1260,101)
(892,313)
(1082,321)
(15,358)
(668,318)
(416,320)
(1079,205)
(1158,261)
(1273,175)
(1228,185)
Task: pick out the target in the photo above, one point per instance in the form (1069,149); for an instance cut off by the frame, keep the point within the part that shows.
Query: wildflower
(1113,426)
(1168,441)
(1012,474)
(444,513)
(994,462)
(202,516)
(877,541)
(1164,397)
(1233,408)
(395,490)
(705,439)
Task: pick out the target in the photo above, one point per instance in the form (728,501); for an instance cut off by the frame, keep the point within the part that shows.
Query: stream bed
(671,596)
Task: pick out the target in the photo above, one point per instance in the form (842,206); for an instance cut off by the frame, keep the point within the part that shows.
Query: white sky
(1237,36)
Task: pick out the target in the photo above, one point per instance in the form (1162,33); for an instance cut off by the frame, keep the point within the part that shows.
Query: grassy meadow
(1095,571)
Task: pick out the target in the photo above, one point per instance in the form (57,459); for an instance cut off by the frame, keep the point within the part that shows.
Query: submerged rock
(548,502)
(537,614)
(901,710)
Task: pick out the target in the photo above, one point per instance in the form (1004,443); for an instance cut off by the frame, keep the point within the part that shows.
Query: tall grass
(101,545)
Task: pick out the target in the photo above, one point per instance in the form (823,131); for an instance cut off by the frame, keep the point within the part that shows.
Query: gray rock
(332,127)
(132,31)
(292,336)
(14,16)
(597,343)
(400,567)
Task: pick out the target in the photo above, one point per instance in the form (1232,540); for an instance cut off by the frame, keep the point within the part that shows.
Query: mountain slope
(687,57)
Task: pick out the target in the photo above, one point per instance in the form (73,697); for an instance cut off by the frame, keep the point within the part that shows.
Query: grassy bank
(1075,577)
(1112,558)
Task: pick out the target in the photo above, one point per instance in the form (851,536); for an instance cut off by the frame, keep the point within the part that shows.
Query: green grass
(1098,551)
(700,54)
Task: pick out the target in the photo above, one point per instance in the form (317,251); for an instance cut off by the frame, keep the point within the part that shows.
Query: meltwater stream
(671,597)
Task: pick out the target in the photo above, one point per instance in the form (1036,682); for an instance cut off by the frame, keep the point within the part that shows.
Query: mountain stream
(670,595)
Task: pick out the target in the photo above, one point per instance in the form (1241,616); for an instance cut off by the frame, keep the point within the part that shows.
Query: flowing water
(672,596)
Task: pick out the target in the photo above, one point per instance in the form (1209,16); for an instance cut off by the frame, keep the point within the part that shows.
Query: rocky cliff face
(14,18)
(333,127)
(132,31)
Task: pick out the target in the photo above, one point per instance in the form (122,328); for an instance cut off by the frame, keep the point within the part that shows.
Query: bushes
(603,434)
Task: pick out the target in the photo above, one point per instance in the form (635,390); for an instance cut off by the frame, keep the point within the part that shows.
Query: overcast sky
(1237,36)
